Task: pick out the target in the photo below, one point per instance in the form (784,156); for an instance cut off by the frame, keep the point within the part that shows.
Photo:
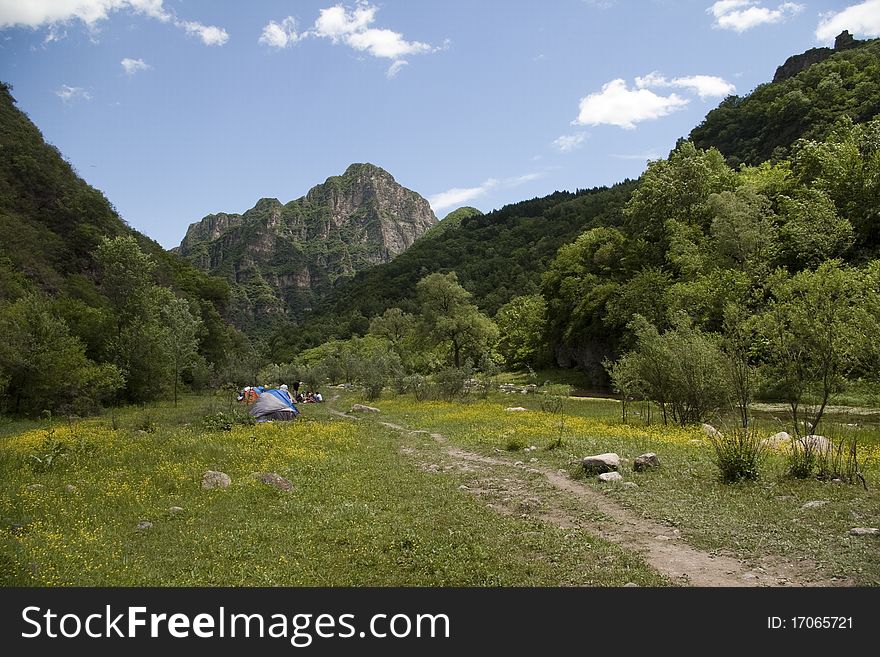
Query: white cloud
(280,35)
(37,13)
(705,86)
(395,67)
(352,27)
(132,66)
(862,19)
(568,143)
(210,35)
(70,94)
(618,105)
(519,180)
(458,196)
(650,155)
(52,13)
(742,15)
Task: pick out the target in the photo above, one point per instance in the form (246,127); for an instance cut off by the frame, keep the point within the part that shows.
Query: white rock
(777,440)
(818,443)
(711,431)
(601,463)
(815,504)
(610,476)
(515,409)
(864,531)
(214,479)
(361,408)
(176,509)
(143,525)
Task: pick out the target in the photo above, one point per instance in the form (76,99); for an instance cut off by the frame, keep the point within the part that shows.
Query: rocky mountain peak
(281,258)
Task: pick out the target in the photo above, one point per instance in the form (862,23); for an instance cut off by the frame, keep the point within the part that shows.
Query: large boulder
(214,479)
(646,462)
(601,463)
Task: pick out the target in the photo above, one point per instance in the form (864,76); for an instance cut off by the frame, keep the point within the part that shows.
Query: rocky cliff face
(797,63)
(280,257)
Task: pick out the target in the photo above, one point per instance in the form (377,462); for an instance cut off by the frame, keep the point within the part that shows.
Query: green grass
(752,520)
(363,512)
(360,512)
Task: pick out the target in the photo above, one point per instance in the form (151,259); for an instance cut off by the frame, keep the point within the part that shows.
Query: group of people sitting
(269,404)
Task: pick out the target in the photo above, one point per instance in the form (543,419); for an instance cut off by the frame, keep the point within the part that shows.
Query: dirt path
(551,495)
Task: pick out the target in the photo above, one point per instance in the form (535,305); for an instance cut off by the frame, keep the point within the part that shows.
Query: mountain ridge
(280,257)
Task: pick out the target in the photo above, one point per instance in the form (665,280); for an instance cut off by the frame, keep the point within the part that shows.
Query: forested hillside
(88,305)
(497,256)
(698,242)
(764,124)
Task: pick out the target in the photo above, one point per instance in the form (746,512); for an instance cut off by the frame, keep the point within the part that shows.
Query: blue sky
(176,109)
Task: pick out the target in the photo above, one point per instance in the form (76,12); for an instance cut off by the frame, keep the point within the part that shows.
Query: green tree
(182,330)
(522,327)
(451,318)
(743,231)
(42,366)
(139,346)
(817,328)
(812,230)
(676,188)
(681,369)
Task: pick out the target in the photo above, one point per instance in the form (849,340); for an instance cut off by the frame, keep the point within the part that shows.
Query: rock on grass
(214,479)
(276,480)
(646,462)
(361,408)
(601,463)
(864,531)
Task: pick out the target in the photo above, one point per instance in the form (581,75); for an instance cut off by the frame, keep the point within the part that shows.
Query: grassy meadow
(371,505)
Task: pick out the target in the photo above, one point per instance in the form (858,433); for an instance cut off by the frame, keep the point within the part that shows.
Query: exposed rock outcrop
(279,258)
(797,63)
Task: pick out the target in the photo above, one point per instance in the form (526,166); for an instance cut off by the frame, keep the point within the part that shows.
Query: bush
(451,382)
(225,421)
(738,453)
(683,370)
(418,385)
(801,459)
(840,461)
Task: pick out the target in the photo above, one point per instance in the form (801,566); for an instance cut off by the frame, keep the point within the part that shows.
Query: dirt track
(518,488)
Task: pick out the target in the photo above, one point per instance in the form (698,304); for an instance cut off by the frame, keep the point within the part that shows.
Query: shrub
(451,382)
(225,421)
(418,385)
(840,461)
(738,453)
(682,369)
(801,458)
